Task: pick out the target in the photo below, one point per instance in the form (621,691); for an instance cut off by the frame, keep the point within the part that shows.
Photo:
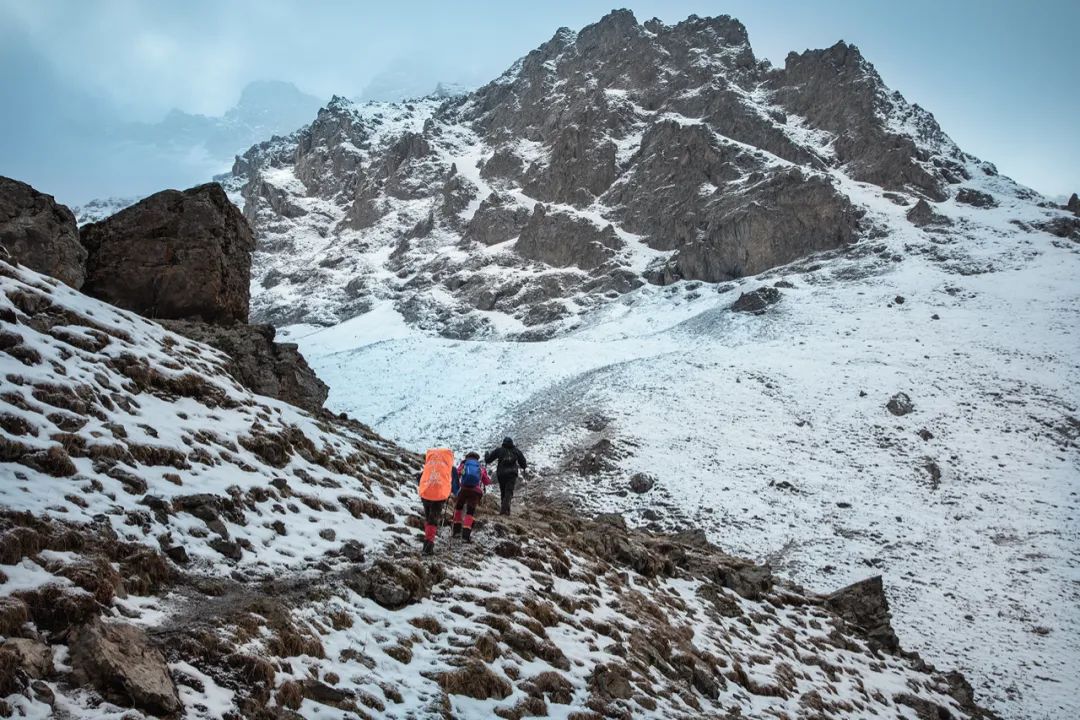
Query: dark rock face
(496,220)
(563,240)
(117,659)
(258,363)
(785,217)
(922,215)
(864,605)
(40,233)
(840,92)
(1063,227)
(757,301)
(975,198)
(173,255)
(1073,204)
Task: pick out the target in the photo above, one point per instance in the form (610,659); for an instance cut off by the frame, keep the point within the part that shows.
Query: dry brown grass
(427,623)
(290,642)
(290,695)
(400,652)
(551,685)
(13,615)
(526,707)
(339,619)
(475,680)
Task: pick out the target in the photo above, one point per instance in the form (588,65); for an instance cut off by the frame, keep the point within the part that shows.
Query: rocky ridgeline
(623,154)
(173,545)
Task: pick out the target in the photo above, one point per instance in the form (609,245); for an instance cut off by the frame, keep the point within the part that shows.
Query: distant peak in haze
(262,95)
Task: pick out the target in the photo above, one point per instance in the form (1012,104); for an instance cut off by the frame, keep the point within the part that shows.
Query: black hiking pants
(506,492)
(433,510)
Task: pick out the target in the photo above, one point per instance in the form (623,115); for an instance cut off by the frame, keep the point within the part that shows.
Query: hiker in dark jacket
(511,461)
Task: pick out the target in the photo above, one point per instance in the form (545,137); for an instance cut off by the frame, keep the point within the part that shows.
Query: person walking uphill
(472,478)
(511,462)
(435,481)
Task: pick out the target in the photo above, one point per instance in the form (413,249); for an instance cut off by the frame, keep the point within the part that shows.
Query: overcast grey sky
(1000,76)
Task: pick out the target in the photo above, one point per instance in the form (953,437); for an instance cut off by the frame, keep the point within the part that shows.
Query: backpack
(470,475)
(436,478)
(508,463)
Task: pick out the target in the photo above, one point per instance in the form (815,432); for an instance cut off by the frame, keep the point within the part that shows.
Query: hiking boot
(456,532)
(466,535)
(428,549)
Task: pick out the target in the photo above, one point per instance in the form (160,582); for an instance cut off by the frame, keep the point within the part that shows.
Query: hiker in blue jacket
(470,479)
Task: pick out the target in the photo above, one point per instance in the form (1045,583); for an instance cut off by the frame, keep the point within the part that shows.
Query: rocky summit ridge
(622,154)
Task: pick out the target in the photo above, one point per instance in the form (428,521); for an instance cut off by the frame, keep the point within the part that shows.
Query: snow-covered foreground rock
(173,546)
(770,432)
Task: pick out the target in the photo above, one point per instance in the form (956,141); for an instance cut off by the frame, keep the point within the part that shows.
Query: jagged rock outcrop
(563,240)
(496,220)
(864,605)
(258,363)
(40,233)
(1074,204)
(923,215)
(185,258)
(975,198)
(176,254)
(837,90)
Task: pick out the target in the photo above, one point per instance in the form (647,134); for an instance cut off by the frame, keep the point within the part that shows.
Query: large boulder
(497,220)
(176,254)
(117,659)
(864,605)
(258,363)
(40,233)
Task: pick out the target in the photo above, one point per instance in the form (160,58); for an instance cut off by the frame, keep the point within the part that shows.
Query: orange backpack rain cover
(435,480)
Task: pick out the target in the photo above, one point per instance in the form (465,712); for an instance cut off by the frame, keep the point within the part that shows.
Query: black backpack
(508,462)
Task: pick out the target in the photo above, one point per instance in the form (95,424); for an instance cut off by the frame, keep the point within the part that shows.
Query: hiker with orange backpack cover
(470,479)
(435,483)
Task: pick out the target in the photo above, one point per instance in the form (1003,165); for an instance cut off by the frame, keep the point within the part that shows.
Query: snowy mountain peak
(609,157)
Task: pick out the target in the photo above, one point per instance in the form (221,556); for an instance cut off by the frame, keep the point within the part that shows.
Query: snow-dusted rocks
(40,233)
(704,162)
(173,255)
(900,404)
(260,364)
(923,215)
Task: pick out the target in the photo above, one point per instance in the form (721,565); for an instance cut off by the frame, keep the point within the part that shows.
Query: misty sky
(999,76)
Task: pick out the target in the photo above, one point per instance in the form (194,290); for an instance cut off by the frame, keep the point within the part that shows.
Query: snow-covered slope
(771,434)
(269,555)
